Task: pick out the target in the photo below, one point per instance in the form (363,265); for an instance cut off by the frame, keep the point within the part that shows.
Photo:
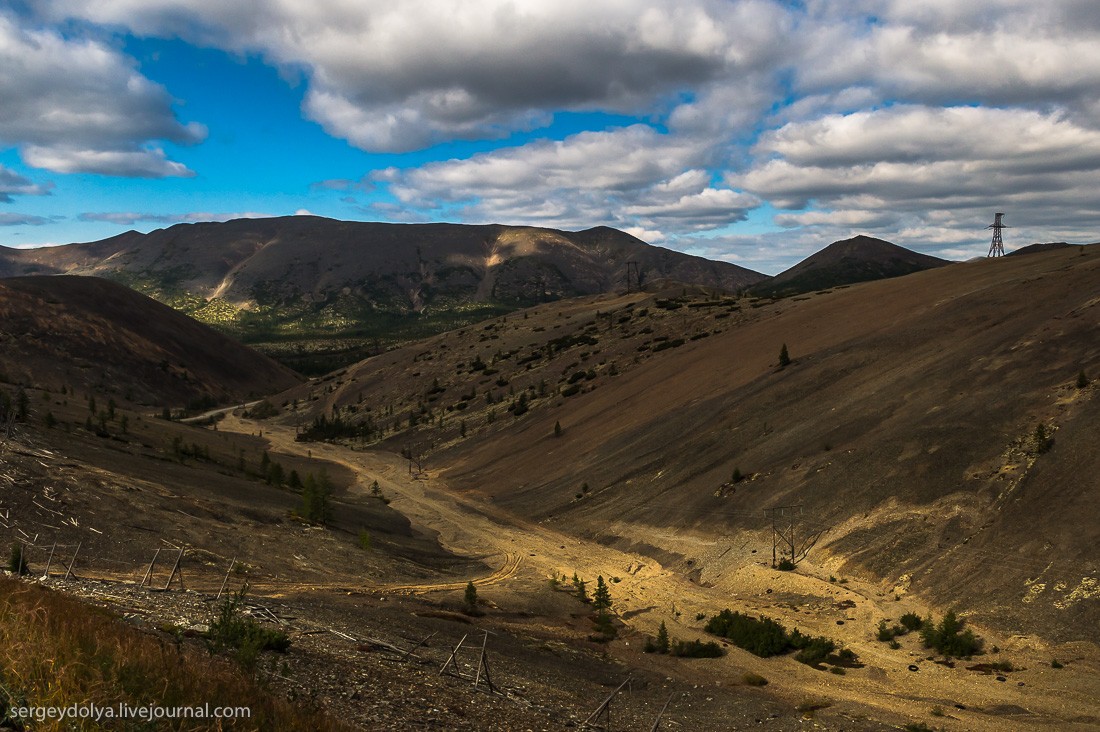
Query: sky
(755,131)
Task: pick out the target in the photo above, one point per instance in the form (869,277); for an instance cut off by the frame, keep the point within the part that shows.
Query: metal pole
(149,571)
(69,569)
(49,561)
(224,581)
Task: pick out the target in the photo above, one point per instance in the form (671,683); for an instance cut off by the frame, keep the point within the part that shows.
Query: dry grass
(56,651)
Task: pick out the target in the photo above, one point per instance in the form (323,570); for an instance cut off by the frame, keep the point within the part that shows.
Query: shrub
(1055,664)
(911,621)
(813,651)
(697,649)
(784,357)
(751,679)
(364,540)
(785,565)
(949,638)
(760,636)
(233,631)
(887,634)
(1082,380)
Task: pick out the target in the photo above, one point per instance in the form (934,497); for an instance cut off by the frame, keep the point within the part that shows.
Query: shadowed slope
(88,332)
(859,259)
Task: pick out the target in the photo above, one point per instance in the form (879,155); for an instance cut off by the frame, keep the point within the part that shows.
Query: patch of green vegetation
(765,637)
(760,636)
(949,638)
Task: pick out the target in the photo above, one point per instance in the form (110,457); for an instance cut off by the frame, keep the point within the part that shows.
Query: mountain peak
(858,259)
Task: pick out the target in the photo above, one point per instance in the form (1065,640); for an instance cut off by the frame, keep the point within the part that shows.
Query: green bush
(785,565)
(765,637)
(697,649)
(233,631)
(760,636)
(949,638)
(751,679)
(911,621)
(812,651)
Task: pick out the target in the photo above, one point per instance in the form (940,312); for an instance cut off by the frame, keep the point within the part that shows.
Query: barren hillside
(91,334)
(905,427)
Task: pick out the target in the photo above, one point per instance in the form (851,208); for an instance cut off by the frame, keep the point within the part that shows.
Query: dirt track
(644,593)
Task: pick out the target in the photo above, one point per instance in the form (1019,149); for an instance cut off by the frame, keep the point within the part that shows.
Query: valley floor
(893,689)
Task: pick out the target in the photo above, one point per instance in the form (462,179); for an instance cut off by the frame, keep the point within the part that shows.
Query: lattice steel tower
(997,247)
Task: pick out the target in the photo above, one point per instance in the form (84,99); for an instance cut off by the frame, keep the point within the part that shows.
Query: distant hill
(1037,247)
(859,259)
(304,283)
(89,333)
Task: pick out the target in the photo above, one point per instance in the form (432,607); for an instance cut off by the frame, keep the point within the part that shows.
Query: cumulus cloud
(630,176)
(78,105)
(401,76)
(13,184)
(911,121)
(999,52)
(930,174)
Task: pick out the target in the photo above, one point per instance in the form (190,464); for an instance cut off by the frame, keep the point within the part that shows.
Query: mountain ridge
(861,258)
(281,283)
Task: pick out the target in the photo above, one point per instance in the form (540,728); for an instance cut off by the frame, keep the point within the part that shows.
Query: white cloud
(80,106)
(945,169)
(399,76)
(630,177)
(142,163)
(911,121)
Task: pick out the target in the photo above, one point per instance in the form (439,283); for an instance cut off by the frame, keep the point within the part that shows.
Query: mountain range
(318,293)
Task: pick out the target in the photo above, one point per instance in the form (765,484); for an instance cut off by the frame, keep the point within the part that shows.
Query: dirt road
(646,594)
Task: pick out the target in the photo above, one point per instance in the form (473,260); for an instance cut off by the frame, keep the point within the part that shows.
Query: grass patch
(56,651)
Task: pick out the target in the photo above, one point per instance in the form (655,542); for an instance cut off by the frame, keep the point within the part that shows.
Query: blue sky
(751,131)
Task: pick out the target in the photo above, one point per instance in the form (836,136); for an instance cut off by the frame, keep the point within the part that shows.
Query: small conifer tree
(470,598)
(662,644)
(784,357)
(601,600)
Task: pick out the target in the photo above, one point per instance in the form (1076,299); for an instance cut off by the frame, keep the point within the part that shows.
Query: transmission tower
(997,247)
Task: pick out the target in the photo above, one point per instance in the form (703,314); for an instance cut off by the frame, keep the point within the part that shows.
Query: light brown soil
(527,554)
